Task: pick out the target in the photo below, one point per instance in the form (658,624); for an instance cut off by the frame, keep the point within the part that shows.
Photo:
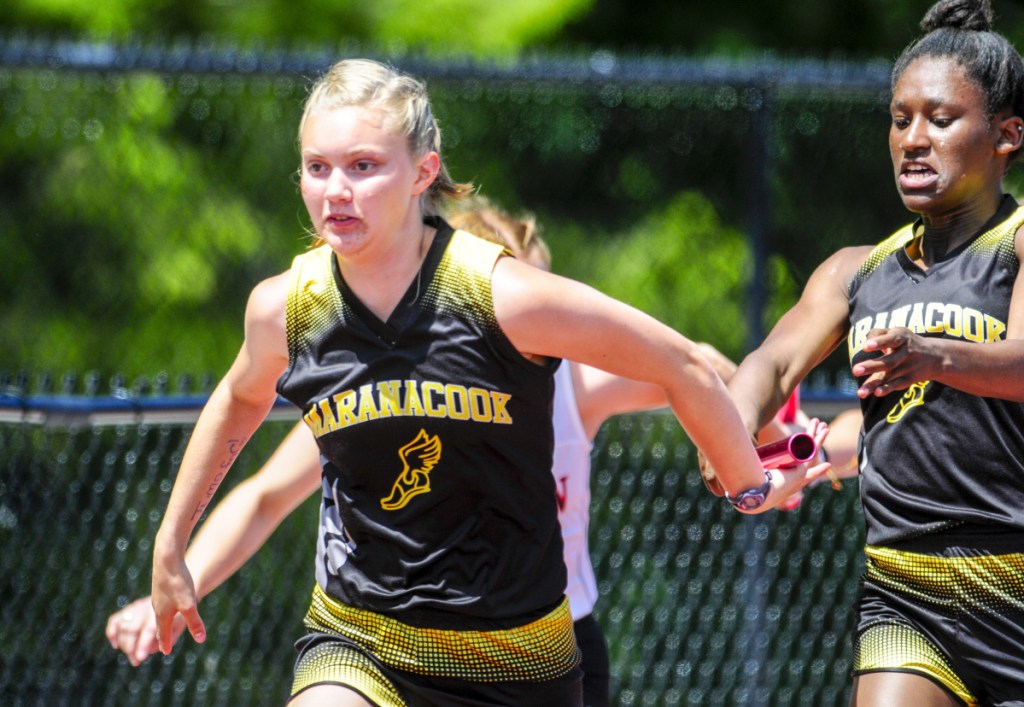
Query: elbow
(702,361)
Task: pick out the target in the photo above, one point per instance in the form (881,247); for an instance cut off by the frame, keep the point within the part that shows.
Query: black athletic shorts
(596,665)
(950,608)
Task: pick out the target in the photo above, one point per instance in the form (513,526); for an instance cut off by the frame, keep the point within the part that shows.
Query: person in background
(423,361)
(933,318)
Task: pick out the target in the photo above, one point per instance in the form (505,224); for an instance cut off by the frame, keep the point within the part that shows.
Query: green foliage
(141,209)
(479,27)
(502,29)
(680,264)
(131,231)
(868,28)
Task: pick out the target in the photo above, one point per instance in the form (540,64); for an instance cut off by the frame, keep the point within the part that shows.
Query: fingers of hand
(120,621)
(819,430)
(146,644)
(797,477)
(111,630)
(163,633)
(817,471)
(874,385)
(195,625)
(792,503)
(122,632)
(887,339)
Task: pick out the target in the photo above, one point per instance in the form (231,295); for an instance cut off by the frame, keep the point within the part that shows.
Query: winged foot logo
(418,458)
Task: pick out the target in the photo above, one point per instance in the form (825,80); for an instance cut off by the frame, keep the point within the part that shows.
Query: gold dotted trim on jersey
(541,650)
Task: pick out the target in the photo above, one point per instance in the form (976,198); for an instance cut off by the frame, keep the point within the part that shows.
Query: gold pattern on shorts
(541,650)
(899,647)
(950,583)
(987,582)
(333,664)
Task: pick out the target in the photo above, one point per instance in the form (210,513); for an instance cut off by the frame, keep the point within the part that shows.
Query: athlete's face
(359,181)
(945,150)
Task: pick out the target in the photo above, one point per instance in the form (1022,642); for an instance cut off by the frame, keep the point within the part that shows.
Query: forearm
(903,358)
(993,370)
(772,429)
(230,535)
(705,410)
(758,391)
(221,433)
(798,342)
(247,516)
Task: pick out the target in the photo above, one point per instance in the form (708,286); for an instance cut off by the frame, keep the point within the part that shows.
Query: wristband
(752,498)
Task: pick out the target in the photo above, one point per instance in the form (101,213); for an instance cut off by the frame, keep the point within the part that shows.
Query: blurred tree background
(140,208)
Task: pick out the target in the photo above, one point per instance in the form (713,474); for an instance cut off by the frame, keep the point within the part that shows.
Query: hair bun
(959,14)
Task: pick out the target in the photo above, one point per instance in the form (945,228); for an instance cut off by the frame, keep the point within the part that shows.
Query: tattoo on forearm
(234,449)
(199,510)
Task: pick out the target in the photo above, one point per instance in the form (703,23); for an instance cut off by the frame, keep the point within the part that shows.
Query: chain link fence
(701,606)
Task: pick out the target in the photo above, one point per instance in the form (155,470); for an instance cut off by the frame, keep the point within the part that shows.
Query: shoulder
(463,274)
(272,286)
(841,268)
(521,288)
(850,258)
(1006,238)
(894,242)
(309,281)
(268,300)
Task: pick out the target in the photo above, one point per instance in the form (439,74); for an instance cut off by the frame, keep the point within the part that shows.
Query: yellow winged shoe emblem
(418,458)
(911,399)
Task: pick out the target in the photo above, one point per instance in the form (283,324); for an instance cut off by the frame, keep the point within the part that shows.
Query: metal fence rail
(599,67)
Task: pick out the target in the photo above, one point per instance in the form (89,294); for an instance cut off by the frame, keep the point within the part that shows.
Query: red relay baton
(789,451)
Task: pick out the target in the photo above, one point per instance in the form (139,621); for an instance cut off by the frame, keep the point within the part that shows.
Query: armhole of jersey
(1017,222)
(1009,240)
(495,252)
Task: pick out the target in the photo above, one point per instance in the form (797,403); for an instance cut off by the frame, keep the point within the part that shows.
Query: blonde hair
(481,218)
(406,108)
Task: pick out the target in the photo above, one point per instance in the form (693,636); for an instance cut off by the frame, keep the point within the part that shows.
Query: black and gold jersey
(436,440)
(933,457)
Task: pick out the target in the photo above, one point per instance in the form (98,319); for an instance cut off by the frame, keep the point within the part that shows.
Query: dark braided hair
(962,30)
